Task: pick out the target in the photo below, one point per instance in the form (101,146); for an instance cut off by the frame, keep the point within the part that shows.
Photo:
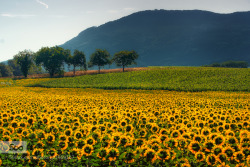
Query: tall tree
(16,69)
(5,70)
(125,58)
(52,59)
(78,59)
(99,58)
(24,59)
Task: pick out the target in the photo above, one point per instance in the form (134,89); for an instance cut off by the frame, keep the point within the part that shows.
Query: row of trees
(230,64)
(52,59)
(12,68)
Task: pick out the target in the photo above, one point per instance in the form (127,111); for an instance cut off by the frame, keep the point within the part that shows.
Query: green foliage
(78,59)
(168,78)
(25,60)
(52,59)
(230,64)
(5,70)
(99,58)
(15,67)
(125,58)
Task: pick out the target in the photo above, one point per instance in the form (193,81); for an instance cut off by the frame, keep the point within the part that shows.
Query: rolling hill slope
(182,38)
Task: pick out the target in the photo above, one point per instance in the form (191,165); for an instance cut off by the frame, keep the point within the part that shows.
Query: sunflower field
(95,127)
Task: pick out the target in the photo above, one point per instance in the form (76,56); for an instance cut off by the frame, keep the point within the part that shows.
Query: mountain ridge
(176,37)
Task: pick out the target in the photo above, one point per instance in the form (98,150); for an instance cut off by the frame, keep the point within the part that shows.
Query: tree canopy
(125,58)
(5,70)
(99,58)
(78,59)
(25,60)
(52,59)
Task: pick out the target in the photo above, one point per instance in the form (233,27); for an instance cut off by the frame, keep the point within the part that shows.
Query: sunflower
(239,156)
(37,153)
(246,151)
(40,134)
(229,133)
(80,144)
(150,155)
(175,134)
(163,138)
(52,153)
(41,163)
(186,135)
(139,142)
(63,137)
(39,144)
(90,141)
(68,132)
(24,133)
(78,135)
(14,124)
(113,153)
(46,120)
(129,157)
(217,150)
(22,124)
(244,134)
(31,120)
(198,138)
(182,143)
(200,156)
(163,154)
(222,157)
(208,145)
(219,140)
(50,138)
(194,147)
(211,159)
(102,153)
(142,133)
(125,141)
(123,123)
(63,144)
(128,128)
(163,131)
(155,128)
(6,138)
(75,152)
(229,151)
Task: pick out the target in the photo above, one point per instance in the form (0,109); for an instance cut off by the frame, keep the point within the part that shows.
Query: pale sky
(32,24)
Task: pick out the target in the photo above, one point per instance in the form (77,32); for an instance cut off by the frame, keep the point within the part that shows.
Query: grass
(164,78)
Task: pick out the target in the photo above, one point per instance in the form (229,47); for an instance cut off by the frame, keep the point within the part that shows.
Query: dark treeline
(54,59)
(230,64)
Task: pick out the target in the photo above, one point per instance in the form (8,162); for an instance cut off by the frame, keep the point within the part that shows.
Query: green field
(165,78)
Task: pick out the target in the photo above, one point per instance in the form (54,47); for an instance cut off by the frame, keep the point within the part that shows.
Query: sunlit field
(95,127)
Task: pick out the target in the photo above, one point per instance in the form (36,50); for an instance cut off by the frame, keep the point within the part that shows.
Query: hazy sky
(32,24)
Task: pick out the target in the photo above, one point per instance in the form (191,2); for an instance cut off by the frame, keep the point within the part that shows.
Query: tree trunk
(122,68)
(99,69)
(74,70)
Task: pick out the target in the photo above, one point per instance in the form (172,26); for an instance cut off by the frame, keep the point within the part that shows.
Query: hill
(166,78)
(179,38)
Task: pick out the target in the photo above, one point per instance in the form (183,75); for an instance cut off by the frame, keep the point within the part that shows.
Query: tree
(24,59)
(52,59)
(16,69)
(5,70)
(78,59)
(99,58)
(125,58)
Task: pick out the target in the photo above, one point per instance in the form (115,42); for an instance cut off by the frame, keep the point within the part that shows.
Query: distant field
(165,78)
